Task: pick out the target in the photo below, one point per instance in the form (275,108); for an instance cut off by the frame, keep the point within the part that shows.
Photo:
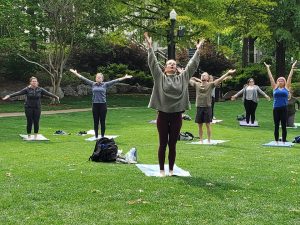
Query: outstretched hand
(148,40)
(73,71)
(231,71)
(294,65)
(6,97)
(200,44)
(267,65)
(127,76)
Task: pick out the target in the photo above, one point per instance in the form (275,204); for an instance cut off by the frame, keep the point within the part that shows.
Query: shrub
(255,71)
(113,71)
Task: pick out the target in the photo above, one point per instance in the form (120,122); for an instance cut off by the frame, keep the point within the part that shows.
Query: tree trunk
(280,58)
(245,52)
(251,42)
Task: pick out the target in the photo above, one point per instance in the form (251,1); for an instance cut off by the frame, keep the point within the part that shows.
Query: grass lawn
(237,182)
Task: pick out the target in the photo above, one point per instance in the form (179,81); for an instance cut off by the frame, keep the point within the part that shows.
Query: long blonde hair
(281,78)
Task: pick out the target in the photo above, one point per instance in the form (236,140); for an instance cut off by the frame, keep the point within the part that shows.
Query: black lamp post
(171,41)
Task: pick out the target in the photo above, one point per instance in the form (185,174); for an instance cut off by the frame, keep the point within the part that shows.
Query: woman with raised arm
(204,90)
(99,88)
(170,98)
(33,94)
(250,99)
(280,94)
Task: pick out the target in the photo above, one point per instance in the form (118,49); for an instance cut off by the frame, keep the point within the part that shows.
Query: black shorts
(204,115)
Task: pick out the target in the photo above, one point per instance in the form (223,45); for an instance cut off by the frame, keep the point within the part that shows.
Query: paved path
(14,114)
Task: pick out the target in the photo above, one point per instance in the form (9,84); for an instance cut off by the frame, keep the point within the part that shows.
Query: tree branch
(36,64)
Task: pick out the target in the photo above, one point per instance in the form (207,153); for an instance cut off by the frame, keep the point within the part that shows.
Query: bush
(256,71)
(114,71)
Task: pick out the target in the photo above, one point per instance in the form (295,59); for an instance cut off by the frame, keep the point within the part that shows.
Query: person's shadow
(214,187)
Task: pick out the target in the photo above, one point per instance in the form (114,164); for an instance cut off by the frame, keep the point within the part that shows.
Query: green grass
(238,182)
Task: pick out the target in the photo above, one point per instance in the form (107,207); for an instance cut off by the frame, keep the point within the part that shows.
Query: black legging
(33,116)
(250,107)
(280,115)
(168,126)
(99,114)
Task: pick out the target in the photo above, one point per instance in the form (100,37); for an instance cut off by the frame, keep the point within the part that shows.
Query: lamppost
(171,41)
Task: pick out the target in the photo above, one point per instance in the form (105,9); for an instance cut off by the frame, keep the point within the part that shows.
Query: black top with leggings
(33,105)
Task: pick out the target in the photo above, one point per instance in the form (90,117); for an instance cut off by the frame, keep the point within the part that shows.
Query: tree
(285,24)
(66,23)
(249,20)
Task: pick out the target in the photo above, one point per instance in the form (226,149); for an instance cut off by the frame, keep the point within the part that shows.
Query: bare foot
(171,173)
(162,173)
(201,141)
(35,136)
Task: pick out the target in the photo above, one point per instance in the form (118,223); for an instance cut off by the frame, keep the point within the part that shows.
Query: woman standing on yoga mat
(99,98)
(280,95)
(33,94)
(250,99)
(170,98)
(204,89)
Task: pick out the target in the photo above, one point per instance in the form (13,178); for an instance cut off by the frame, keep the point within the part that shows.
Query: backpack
(185,136)
(105,150)
(241,117)
(297,139)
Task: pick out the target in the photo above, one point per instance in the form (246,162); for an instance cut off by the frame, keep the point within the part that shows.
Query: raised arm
(194,80)
(47,93)
(152,60)
(219,80)
(194,61)
(89,82)
(273,84)
(110,83)
(289,79)
(263,93)
(233,97)
(22,92)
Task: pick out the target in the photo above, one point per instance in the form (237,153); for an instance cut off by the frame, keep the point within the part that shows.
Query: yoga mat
(153,170)
(212,142)
(295,127)
(107,136)
(216,121)
(280,144)
(40,137)
(244,123)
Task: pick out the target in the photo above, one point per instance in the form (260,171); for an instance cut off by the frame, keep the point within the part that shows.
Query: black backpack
(185,136)
(297,139)
(105,150)
(241,117)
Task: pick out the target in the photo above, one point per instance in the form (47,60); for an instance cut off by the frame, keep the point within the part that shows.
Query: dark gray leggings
(33,117)
(280,115)
(99,115)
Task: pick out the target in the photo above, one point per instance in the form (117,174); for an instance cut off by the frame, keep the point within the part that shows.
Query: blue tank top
(280,97)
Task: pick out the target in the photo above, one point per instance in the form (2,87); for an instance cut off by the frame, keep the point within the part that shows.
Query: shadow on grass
(215,187)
